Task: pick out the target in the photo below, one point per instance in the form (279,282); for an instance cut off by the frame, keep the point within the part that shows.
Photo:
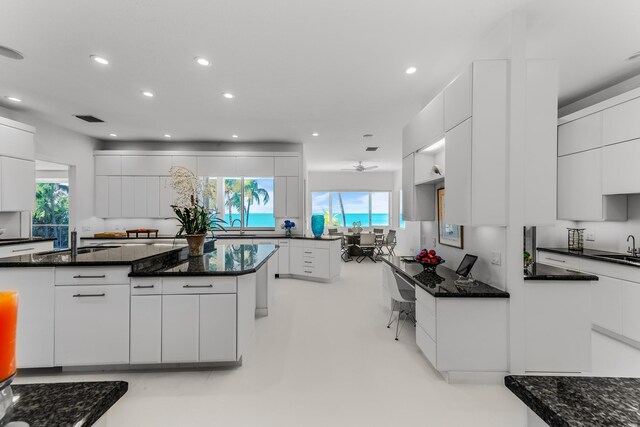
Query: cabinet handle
(22,250)
(310,272)
(80,276)
(89,295)
(308,262)
(144,286)
(198,286)
(308,252)
(557,260)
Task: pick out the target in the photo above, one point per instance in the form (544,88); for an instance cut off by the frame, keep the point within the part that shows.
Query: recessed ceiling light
(367,135)
(166,135)
(203,61)
(634,56)
(100,59)
(113,135)
(315,134)
(147,93)
(13,99)
(411,70)
(228,95)
(234,136)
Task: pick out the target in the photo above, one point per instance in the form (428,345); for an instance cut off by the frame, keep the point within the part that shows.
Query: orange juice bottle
(8,321)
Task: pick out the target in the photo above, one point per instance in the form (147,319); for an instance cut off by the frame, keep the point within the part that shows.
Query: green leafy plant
(197,220)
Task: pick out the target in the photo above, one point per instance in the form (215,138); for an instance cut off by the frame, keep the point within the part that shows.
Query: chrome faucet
(633,251)
(234,221)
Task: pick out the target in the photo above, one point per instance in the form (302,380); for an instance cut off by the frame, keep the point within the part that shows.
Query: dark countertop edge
(26,240)
(552,273)
(501,294)
(550,278)
(147,273)
(564,251)
(219,237)
(536,405)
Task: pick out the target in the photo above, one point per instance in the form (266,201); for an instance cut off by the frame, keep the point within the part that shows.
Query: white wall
(351,181)
(59,145)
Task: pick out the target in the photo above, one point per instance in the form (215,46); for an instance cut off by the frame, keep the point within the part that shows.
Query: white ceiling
(296,66)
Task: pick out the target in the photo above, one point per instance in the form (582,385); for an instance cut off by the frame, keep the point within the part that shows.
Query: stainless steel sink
(628,258)
(84,250)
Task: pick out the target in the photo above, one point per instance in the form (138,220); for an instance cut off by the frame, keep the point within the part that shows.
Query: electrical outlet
(496,258)
(591,237)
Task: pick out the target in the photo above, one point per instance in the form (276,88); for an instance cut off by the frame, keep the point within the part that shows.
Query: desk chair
(367,247)
(390,242)
(379,243)
(344,247)
(402,293)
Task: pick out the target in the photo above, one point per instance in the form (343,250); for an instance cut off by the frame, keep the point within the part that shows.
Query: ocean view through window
(343,208)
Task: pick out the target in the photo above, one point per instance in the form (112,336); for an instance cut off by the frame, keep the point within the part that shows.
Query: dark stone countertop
(93,256)
(548,272)
(595,255)
(579,401)
(224,260)
(223,237)
(442,284)
(64,404)
(23,240)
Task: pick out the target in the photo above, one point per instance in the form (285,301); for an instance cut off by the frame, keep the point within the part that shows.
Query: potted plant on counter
(195,219)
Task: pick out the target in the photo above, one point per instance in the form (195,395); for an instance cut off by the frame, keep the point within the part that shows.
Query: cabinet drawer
(296,243)
(283,242)
(92,275)
(562,261)
(198,285)
(426,319)
(25,249)
(426,299)
(426,345)
(146,286)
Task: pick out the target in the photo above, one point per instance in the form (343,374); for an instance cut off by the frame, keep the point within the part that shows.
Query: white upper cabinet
(619,163)
(256,167)
(418,201)
(16,139)
(620,122)
(287,166)
(102,197)
(425,128)
(582,134)
(146,165)
(128,197)
(114,197)
(217,166)
(458,182)
(108,165)
(189,162)
(18,185)
(457,100)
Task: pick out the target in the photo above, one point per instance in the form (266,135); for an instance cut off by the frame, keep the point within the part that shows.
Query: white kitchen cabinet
(146,165)
(218,166)
(287,166)
(458,181)
(146,329)
(558,260)
(17,139)
(315,259)
(630,312)
(283,256)
(91,325)
(180,324)
(619,163)
(581,134)
(34,340)
(25,248)
(140,197)
(580,190)
(606,303)
(620,122)
(18,185)
(153,196)
(418,201)
(293,196)
(102,196)
(128,197)
(296,264)
(280,196)
(108,165)
(425,128)
(217,341)
(255,167)
(423,167)
(166,197)
(114,197)
(457,100)
(189,162)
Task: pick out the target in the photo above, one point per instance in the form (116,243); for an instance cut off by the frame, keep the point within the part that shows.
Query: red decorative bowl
(427,266)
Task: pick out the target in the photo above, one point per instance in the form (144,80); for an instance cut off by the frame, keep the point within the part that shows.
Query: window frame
(370,203)
(220,203)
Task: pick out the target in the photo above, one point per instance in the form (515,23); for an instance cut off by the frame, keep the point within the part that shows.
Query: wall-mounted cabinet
(418,201)
(619,162)
(286,196)
(580,135)
(424,162)
(458,183)
(425,128)
(620,122)
(17,174)
(457,100)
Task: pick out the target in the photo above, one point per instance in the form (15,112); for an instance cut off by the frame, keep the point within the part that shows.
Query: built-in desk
(462,329)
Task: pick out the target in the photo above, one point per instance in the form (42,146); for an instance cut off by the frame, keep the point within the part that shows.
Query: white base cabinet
(25,248)
(314,259)
(180,323)
(146,329)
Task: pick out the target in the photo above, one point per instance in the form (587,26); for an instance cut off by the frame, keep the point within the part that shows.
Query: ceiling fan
(360,168)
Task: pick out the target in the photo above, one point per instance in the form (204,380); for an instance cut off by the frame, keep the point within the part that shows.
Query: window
(342,209)
(51,216)
(245,203)
(401,221)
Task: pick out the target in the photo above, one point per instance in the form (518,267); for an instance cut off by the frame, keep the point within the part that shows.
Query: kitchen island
(111,306)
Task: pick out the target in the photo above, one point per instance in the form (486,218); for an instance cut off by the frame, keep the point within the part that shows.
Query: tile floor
(323,357)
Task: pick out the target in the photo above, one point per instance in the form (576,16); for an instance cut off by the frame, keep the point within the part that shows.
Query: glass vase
(317,225)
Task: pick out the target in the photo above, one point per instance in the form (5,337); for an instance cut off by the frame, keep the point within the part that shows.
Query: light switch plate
(496,258)
(591,237)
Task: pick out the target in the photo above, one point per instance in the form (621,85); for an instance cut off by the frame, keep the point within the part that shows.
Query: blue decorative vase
(317,225)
